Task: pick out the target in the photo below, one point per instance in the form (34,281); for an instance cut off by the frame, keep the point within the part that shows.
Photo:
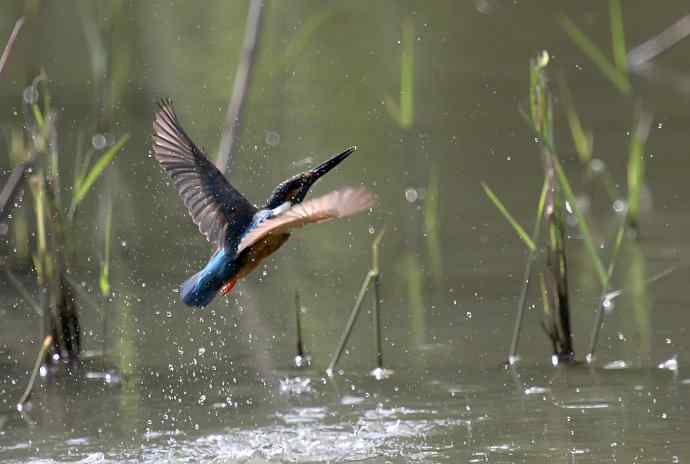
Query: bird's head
(295,188)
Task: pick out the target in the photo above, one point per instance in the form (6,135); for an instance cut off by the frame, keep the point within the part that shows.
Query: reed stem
(350,323)
(47,342)
(376,315)
(527,277)
(298,321)
(233,117)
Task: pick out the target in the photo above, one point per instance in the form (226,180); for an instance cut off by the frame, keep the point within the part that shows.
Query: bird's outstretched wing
(339,203)
(216,207)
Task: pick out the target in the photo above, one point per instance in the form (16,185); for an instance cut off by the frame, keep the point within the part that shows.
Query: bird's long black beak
(326,166)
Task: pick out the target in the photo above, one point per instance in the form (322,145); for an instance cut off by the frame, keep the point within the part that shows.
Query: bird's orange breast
(252,256)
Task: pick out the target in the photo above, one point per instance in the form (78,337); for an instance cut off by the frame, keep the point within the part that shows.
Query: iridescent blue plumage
(242,234)
(223,266)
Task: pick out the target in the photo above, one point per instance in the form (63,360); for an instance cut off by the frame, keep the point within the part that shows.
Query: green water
(216,385)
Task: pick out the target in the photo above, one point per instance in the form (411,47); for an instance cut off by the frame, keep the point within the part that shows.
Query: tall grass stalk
(557,193)
(10,43)
(618,76)
(369,280)
(85,184)
(603,299)
(42,353)
(22,162)
(104,275)
(511,220)
(583,140)
(240,87)
(641,56)
(620,57)
(301,357)
(402,111)
(304,36)
(24,292)
(581,223)
(636,169)
(558,314)
(527,278)
(55,248)
(432,227)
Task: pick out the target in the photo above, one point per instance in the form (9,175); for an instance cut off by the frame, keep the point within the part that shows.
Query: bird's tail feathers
(195,294)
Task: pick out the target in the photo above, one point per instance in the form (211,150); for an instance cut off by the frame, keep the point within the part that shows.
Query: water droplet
(670,364)
(620,206)
(568,207)
(411,195)
(272,138)
(99,141)
(30,95)
(597,165)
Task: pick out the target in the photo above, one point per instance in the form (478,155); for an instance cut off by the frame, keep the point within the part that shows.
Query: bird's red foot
(228,287)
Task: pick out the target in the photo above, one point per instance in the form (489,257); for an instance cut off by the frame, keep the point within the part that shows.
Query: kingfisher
(243,234)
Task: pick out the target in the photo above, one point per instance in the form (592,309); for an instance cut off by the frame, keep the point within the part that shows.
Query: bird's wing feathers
(339,203)
(216,206)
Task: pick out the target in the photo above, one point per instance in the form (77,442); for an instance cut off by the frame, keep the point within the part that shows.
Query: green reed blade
(582,224)
(594,53)
(296,46)
(104,278)
(407,75)
(516,226)
(636,168)
(432,226)
(38,116)
(97,169)
(403,112)
(527,276)
(24,292)
(618,37)
(583,139)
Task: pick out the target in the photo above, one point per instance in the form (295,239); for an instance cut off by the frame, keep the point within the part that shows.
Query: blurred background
(436,97)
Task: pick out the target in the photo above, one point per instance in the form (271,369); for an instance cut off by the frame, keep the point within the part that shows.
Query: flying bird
(243,234)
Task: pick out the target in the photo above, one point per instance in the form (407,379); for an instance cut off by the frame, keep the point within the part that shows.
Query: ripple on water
(303,415)
(584,404)
(536,390)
